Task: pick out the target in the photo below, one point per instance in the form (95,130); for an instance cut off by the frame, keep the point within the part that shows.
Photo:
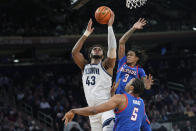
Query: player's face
(97,52)
(131,57)
(128,86)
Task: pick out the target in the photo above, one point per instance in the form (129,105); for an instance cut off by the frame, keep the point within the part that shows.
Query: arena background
(36,68)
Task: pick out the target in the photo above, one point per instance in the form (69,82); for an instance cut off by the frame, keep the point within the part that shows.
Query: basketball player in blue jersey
(97,75)
(129,66)
(130,109)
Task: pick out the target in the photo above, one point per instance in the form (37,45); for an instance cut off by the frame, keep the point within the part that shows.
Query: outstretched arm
(76,54)
(138,25)
(109,62)
(114,102)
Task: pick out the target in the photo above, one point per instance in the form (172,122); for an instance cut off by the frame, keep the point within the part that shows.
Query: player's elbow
(121,41)
(93,111)
(74,52)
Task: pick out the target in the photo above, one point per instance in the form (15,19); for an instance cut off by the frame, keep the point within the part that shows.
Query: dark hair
(141,54)
(74,129)
(96,45)
(138,85)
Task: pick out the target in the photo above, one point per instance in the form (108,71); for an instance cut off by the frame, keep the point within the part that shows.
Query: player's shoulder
(140,67)
(142,101)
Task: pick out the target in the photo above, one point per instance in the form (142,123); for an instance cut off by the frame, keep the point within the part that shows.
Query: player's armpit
(109,64)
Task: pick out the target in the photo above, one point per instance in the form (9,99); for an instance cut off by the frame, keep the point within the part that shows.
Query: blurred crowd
(12,119)
(32,18)
(54,18)
(50,92)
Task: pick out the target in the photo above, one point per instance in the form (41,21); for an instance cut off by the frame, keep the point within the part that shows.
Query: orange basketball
(102,14)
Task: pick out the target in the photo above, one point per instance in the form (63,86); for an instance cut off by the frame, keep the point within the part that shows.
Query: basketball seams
(101,17)
(98,18)
(106,15)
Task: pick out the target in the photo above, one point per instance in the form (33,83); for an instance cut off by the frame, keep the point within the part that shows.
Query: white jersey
(97,84)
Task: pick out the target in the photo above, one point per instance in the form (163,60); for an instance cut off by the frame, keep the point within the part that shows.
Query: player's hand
(148,81)
(89,28)
(115,86)
(140,24)
(68,117)
(111,21)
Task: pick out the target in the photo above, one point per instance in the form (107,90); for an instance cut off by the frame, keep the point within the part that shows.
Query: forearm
(111,43)
(112,93)
(86,111)
(79,44)
(127,35)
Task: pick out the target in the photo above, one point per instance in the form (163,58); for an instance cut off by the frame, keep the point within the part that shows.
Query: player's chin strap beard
(96,57)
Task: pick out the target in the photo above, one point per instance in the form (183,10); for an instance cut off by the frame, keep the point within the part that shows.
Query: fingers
(112,16)
(118,82)
(90,22)
(142,21)
(63,118)
(66,121)
(112,13)
(92,29)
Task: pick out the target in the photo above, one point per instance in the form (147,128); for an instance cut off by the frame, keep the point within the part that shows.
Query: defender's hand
(140,24)
(115,86)
(148,81)
(68,117)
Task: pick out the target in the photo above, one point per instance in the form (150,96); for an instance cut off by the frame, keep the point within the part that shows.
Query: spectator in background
(194,108)
(45,106)
(189,112)
(188,126)
(175,128)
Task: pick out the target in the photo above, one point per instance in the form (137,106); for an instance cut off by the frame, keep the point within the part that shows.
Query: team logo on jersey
(129,71)
(92,70)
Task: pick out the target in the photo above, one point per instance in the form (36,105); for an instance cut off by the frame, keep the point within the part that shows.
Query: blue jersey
(126,73)
(146,124)
(131,117)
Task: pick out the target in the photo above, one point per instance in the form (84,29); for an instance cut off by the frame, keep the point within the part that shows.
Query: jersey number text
(90,80)
(134,114)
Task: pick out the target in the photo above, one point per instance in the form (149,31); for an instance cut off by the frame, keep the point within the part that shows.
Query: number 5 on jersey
(90,80)
(134,114)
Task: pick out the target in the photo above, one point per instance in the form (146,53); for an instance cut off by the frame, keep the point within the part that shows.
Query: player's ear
(137,58)
(131,88)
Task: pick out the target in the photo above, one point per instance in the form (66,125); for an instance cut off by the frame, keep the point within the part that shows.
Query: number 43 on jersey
(90,80)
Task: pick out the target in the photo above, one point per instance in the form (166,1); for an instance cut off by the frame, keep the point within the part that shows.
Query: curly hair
(141,54)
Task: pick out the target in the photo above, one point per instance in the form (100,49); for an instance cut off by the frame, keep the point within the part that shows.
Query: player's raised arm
(76,54)
(138,25)
(109,62)
(114,102)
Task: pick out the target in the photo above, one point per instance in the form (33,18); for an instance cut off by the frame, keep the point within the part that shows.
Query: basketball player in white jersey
(97,75)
